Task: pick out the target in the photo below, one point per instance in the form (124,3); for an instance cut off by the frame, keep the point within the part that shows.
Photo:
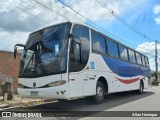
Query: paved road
(127,101)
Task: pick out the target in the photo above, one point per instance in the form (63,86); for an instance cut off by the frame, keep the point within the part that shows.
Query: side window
(132,56)
(79,48)
(143,60)
(98,43)
(123,52)
(147,62)
(138,57)
(112,48)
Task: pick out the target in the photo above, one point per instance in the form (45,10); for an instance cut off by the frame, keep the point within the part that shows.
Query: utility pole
(156,63)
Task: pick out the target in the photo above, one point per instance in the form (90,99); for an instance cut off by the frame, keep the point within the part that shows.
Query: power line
(43,19)
(42,4)
(122,20)
(95,23)
(64,16)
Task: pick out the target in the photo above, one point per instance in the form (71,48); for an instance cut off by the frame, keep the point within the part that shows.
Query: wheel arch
(104,81)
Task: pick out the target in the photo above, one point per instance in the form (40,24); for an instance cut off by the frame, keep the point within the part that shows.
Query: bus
(71,60)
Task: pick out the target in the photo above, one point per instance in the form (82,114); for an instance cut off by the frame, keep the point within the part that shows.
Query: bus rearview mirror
(15,49)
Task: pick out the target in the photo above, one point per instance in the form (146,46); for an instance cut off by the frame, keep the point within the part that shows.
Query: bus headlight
(20,85)
(56,83)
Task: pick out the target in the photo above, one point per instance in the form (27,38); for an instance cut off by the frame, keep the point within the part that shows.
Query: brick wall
(9,69)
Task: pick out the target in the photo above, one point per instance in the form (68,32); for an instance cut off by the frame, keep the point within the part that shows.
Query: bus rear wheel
(100,92)
(141,87)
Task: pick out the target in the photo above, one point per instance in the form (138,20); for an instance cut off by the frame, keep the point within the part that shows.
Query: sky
(18,18)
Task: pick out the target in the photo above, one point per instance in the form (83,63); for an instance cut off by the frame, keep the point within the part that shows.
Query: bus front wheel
(100,92)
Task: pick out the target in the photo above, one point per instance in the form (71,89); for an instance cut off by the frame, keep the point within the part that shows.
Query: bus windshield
(46,52)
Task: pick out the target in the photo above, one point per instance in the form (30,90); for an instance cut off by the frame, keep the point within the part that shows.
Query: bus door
(75,77)
(79,55)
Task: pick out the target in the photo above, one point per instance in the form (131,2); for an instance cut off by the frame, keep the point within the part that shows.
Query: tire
(100,92)
(141,88)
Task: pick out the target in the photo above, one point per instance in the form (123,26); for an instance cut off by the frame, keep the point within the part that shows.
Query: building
(9,69)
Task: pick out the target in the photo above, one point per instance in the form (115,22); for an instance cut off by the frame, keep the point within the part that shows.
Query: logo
(34,84)
(6,114)
(92,66)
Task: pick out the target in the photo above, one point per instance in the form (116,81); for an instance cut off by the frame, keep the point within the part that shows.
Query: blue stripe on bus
(125,69)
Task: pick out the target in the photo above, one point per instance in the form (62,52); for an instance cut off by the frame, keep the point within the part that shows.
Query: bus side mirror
(15,52)
(15,49)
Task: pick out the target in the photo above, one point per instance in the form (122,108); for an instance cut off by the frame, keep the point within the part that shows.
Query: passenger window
(112,48)
(132,56)
(147,62)
(138,57)
(143,60)
(98,43)
(123,52)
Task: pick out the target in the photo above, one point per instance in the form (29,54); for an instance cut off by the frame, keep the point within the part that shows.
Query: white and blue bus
(71,60)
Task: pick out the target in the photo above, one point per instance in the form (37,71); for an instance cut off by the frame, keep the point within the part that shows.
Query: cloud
(12,19)
(7,44)
(31,15)
(148,48)
(157,20)
(93,10)
(18,18)
(156,11)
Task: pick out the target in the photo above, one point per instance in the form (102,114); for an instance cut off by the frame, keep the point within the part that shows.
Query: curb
(12,104)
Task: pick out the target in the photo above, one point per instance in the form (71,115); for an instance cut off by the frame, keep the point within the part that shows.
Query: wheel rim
(99,92)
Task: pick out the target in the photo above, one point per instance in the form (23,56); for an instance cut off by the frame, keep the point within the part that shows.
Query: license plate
(34,93)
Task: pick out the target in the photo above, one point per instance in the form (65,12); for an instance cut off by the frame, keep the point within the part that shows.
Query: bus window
(123,52)
(112,48)
(79,49)
(143,60)
(138,57)
(147,62)
(98,43)
(132,56)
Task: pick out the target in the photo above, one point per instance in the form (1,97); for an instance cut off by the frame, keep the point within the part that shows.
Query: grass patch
(1,100)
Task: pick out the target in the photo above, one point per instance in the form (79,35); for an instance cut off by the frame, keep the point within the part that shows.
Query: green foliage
(155,83)
(155,75)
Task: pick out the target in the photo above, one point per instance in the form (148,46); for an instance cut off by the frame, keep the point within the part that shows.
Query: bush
(155,83)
